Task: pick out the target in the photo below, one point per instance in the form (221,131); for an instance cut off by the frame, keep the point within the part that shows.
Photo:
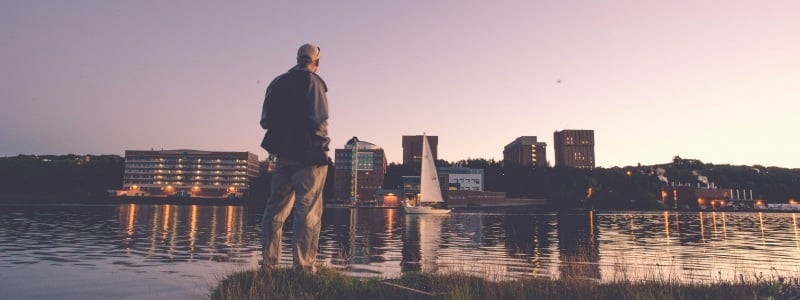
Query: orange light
(700,201)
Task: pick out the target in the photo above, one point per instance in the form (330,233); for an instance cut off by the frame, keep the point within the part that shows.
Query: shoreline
(513,208)
(331,284)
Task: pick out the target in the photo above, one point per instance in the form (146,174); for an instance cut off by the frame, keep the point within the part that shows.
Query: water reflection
(579,251)
(360,242)
(422,238)
(794,226)
(183,233)
(181,244)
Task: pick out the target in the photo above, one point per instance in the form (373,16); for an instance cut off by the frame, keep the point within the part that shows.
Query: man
(295,114)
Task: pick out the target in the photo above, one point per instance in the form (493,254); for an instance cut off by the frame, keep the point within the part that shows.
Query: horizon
(260,158)
(714,81)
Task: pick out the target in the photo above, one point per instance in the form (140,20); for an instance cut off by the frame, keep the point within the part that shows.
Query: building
(687,196)
(412,148)
(462,179)
(411,188)
(525,151)
(467,198)
(389,198)
(450,179)
(363,179)
(574,148)
(189,173)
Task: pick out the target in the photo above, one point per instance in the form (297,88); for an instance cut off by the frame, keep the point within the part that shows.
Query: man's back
(291,113)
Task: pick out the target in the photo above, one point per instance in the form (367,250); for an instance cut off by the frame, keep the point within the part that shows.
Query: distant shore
(55,199)
(257,205)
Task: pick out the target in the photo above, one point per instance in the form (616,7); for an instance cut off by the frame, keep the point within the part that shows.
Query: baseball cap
(308,52)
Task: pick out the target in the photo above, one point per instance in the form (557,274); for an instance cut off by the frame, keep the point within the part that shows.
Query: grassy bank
(330,284)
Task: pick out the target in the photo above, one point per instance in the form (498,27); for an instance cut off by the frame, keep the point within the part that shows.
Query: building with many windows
(461,179)
(412,148)
(574,148)
(525,151)
(358,179)
(450,179)
(189,173)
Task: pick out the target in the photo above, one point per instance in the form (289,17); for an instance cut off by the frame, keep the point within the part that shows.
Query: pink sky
(717,81)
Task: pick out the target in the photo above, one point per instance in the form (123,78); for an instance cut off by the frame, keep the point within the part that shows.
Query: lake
(181,251)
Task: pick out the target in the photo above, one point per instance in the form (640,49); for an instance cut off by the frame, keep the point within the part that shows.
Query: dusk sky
(717,81)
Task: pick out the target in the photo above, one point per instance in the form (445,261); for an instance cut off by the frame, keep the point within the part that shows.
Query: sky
(717,81)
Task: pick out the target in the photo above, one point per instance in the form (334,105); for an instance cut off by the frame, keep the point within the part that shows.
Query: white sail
(430,194)
(430,191)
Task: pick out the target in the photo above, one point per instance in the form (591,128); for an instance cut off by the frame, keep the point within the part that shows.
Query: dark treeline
(619,187)
(86,178)
(74,178)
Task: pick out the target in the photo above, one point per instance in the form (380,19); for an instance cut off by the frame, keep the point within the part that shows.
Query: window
(365,161)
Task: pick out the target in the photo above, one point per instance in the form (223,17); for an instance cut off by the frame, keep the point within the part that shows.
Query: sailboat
(430,200)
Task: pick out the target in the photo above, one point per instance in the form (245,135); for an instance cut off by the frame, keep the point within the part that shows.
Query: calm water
(173,251)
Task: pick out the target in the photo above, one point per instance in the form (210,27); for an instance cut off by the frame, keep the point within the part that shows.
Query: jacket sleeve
(264,111)
(264,106)
(319,105)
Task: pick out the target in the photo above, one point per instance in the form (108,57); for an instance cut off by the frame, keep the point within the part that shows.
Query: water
(181,251)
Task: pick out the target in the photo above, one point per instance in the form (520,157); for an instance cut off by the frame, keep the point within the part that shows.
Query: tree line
(57,178)
(619,187)
(87,178)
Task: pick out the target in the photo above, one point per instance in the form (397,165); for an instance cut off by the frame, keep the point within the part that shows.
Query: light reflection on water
(169,251)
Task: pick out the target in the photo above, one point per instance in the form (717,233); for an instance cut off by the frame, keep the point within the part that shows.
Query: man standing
(295,114)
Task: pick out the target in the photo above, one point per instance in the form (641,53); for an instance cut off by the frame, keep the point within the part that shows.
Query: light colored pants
(293,180)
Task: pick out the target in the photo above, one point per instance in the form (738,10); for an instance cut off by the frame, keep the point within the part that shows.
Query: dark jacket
(295,114)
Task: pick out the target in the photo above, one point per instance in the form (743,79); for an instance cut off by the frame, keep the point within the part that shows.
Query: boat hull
(426,210)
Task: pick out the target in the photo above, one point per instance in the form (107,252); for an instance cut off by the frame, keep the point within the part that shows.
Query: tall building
(189,173)
(525,151)
(363,178)
(412,148)
(574,148)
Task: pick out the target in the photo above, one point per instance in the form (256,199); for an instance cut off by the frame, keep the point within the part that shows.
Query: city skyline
(714,81)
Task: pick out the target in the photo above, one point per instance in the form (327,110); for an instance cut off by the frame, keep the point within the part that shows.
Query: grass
(330,284)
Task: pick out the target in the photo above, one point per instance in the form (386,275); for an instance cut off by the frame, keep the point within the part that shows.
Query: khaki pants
(293,180)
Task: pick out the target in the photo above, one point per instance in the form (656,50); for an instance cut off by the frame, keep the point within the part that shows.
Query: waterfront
(180,251)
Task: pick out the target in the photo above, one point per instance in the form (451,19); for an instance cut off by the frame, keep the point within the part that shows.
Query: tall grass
(330,284)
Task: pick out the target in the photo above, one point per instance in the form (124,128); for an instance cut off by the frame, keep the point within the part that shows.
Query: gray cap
(308,52)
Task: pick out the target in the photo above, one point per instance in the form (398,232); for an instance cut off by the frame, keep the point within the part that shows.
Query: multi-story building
(189,173)
(525,151)
(412,148)
(362,177)
(574,148)
(450,179)
(463,179)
